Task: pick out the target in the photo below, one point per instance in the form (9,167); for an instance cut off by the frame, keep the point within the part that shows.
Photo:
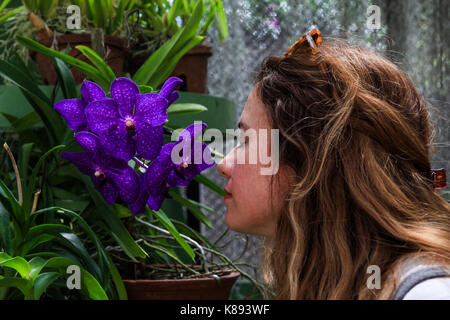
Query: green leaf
(53,229)
(98,62)
(27,246)
(116,227)
(145,89)
(5,230)
(118,282)
(221,21)
(36,265)
(169,64)
(43,281)
(88,282)
(30,189)
(66,79)
(19,264)
(210,184)
(162,217)
(24,160)
(72,241)
(102,259)
(25,122)
(86,68)
(23,285)
(36,97)
(153,65)
(7,197)
(185,108)
(193,207)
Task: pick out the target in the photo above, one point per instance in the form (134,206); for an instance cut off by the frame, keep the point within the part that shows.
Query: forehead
(254,114)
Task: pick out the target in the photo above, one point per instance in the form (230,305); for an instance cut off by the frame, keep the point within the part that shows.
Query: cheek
(249,208)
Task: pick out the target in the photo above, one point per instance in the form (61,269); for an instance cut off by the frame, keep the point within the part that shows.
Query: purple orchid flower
(73,109)
(166,172)
(111,176)
(131,122)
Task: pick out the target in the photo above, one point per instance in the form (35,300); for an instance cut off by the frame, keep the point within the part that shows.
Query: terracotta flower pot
(192,68)
(181,289)
(115,49)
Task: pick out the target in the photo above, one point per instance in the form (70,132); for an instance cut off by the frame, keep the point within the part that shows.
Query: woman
(353,194)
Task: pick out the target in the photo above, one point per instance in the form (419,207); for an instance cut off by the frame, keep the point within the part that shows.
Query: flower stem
(139,162)
(35,201)
(16,170)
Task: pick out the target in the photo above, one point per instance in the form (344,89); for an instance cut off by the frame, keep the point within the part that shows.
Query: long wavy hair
(359,143)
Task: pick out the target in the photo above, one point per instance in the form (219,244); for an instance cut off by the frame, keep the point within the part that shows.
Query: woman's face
(249,209)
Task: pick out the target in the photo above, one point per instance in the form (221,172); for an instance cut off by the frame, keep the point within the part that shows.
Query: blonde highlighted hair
(359,143)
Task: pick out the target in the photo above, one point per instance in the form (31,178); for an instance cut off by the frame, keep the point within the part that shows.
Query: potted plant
(153,23)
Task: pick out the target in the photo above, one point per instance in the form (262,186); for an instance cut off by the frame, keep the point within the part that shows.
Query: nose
(224,167)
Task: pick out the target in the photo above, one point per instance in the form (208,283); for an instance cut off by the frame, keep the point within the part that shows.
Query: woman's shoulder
(423,280)
(430,289)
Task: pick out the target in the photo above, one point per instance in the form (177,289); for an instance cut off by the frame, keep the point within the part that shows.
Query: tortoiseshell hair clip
(438,178)
(310,40)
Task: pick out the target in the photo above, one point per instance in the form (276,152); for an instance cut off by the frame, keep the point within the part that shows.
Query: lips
(228,195)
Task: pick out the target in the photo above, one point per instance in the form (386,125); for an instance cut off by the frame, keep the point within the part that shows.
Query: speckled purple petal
(127,182)
(90,91)
(138,206)
(109,191)
(81,160)
(101,115)
(156,176)
(172,97)
(194,131)
(155,202)
(149,141)
(118,143)
(124,91)
(169,86)
(151,108)
(88,141)
(176,179)
(202,156)
(73,111)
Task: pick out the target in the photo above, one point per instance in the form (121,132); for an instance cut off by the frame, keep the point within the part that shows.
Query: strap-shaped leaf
(210,184)
(86,68)
(193,207)
(165,221)
(186,108)
(19,264)
(98,62)
(89,284)
(42,282)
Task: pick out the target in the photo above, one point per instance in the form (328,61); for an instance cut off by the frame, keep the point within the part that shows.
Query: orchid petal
(172,97)
(102,115)
(138,206)
(119,143)
(109,191)
(89,142)
(127,182)
(72,111)
(169,86)
(193,131)
(124,92)
(151,108)
(90,91)
(81,160)
(149,141)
